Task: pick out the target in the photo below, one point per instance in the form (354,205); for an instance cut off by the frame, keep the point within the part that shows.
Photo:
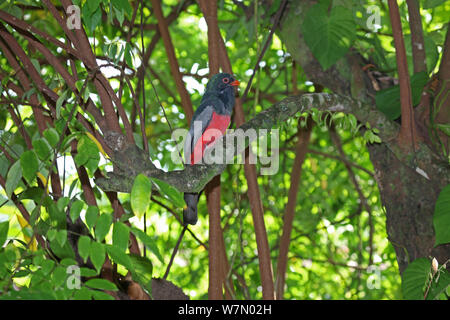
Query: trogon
(210,121)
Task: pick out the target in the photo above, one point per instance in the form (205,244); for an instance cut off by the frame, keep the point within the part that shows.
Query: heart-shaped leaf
(328,35)
(414,278)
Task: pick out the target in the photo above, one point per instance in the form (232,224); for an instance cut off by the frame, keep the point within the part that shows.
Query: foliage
(339,249)
(441,217)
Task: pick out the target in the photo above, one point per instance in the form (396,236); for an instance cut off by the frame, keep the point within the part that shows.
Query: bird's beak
(235,83)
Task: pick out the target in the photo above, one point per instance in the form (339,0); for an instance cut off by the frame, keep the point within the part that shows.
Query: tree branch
(129,160)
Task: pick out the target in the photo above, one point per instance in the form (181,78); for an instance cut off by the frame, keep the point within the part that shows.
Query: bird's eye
(225,80)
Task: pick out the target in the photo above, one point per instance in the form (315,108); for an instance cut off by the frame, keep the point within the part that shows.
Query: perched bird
(210,120)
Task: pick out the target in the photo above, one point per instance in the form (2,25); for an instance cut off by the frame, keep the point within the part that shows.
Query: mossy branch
(129,161)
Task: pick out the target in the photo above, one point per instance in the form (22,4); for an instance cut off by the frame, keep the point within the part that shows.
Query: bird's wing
(200,121)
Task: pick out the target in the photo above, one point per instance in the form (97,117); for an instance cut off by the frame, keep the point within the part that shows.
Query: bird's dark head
(222,85)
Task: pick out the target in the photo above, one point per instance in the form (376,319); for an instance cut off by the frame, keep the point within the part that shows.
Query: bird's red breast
(215,129)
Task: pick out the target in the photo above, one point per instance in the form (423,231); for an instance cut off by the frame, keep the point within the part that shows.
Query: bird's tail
(190,212)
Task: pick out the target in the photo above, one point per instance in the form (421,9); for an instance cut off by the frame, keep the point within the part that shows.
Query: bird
(210,121)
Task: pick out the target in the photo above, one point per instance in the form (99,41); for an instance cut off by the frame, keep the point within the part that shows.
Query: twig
(339,158)
(141,117)
(200,242)
(174,252)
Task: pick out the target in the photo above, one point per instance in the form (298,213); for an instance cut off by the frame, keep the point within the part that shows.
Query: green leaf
(444,128)
(440,283)
(62,251)
(100,295)
(62,203)
(148,242)
(51,234)
(86,272)
(79,84)
(169,192)
(57,216)
(120,236)
(4,227)
(91,14)
(83,294)
(86,149)
(84,247)
(140,195)
(91,216)
(441,217)
(120,15)
(67,262)
(119,257)
(52,136)
(101,284)
(328,35)
(414,279)
(94,21)
(29,164)
(92,164)
(388,100)
(93,5)
(4,165)
(61,237)
(13,178)
(142,270)
(128,55)
(97,254)
(36,65)
(47,266)
(59,276)
(102,227)
(75,209)
(33,193)
(3,116)
(87,154)
(42,148)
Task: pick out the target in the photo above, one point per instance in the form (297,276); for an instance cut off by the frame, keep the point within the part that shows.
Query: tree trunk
(409,199)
